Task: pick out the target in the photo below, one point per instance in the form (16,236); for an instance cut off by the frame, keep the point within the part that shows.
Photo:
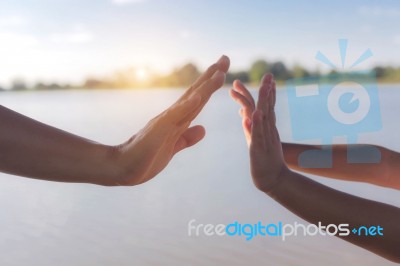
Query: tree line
(183,76)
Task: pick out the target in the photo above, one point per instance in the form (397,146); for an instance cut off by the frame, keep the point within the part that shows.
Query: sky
(70,40)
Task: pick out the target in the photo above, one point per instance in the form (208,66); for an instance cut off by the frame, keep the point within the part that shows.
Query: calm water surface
(45,223)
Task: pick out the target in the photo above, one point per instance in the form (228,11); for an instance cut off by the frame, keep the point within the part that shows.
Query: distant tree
(18,85)
(391,74)
(333,72)
(185,75)
(55,86)
(52,86)
(92,83)
(279,70)
(243,76)
(258,69)
(123,78)
(162,81)
(299,72)
(315,73)
(379,71)
(180,77)
(40,86)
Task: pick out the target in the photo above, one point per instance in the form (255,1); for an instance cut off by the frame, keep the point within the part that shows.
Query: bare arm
(384,173)
(315,203)
(32,149)
(306,198)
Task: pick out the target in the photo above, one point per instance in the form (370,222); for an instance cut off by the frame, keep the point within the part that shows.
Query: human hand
(258,121)
(148,152)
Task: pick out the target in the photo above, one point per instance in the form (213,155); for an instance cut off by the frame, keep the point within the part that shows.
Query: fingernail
(267,77)
(237,81)
(221,59)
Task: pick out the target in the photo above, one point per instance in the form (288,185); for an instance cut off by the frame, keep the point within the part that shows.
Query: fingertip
(200,133)
(203,132)
(236,83)
(239,86)
(267,78)
(223,63)
(189,138)
(225,57)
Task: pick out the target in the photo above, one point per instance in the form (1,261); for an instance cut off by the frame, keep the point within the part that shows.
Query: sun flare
(142,74)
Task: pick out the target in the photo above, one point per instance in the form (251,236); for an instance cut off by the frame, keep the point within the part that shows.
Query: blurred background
(152,43)
(101,69)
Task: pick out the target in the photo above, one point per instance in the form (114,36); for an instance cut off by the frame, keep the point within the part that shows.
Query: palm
(150,150)
(266,157)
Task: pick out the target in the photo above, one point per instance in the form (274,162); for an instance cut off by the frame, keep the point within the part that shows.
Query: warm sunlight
(142,74)
(121,142)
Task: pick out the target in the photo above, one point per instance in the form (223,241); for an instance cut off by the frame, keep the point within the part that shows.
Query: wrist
(110,170)
(277,181)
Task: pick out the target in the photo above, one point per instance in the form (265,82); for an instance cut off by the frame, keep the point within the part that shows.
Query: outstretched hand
(258,121)
(149,151)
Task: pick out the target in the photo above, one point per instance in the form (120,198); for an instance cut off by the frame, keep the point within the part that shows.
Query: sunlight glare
(142,74)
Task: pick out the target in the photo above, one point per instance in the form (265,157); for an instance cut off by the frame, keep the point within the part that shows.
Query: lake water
(46,223)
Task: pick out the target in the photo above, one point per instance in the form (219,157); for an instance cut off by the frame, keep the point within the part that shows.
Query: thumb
(189,138)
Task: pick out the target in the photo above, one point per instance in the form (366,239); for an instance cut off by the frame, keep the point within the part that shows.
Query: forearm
(317,203)
(32,149)
(374,173)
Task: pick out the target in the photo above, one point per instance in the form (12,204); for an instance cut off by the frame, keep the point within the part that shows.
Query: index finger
(239,87)
(181,110)
(222,65)
(205,91)
(265,90)
(185,110)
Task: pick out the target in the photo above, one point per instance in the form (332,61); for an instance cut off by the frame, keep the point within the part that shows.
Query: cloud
(77,36)
(13,40)
(187,34)
(123,2)
(377,11)
(11,21)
